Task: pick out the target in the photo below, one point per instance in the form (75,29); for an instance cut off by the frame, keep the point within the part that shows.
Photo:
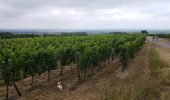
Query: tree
(144,32)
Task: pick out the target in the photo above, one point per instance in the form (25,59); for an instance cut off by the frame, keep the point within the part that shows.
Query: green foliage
(20,58)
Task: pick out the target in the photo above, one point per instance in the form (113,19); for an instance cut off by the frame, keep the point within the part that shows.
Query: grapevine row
(21,58)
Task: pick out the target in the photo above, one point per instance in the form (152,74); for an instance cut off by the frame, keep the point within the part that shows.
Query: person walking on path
(153,38)
(157,39)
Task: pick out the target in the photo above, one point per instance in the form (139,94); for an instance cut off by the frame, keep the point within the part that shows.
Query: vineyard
(28,57)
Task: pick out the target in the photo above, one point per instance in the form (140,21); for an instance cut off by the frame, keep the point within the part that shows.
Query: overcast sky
(84,14)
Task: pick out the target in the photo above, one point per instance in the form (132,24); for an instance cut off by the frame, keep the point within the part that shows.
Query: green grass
(155,62)
(145,91)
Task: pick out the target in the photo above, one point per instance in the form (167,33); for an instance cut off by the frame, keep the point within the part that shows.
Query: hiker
(153,38)
(156,38)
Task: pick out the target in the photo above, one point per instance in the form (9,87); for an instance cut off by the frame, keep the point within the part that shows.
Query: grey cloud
(84,13)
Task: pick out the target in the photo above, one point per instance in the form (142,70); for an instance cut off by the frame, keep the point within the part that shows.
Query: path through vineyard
(163,80)
(109,81)
(163,48)
(165,43)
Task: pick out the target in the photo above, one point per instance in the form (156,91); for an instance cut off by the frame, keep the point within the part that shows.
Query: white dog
(60,86)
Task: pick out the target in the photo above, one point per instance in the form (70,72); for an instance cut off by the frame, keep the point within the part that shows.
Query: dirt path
(161,42)
(163,80)
(97,86)
(163,48)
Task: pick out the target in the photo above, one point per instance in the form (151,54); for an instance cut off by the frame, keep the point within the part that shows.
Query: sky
(84,14)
